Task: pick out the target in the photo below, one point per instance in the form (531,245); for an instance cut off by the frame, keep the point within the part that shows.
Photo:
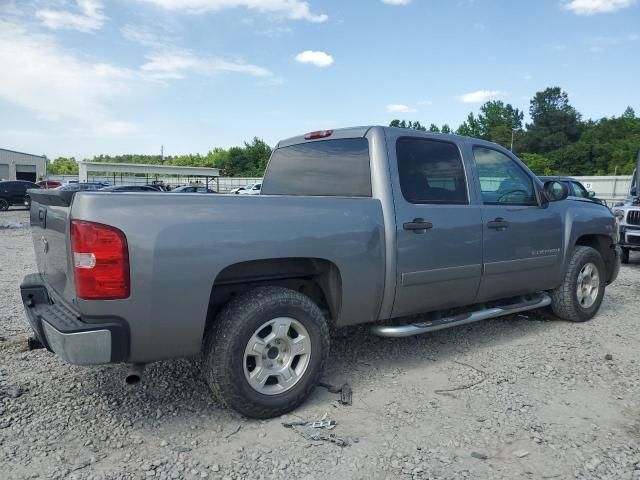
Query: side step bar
(432,325)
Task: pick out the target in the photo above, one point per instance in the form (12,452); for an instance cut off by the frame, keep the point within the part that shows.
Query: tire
(238,365)
(624,256)
(4,205)
(565,300)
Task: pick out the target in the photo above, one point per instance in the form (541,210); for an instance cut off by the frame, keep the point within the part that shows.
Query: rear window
(324,168)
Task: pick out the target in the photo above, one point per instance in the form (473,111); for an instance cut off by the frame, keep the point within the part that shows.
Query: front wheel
(4,205)
(579,296)
(624,256)
(266,351)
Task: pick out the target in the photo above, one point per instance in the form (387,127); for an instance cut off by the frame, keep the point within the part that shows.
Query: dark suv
(14,193)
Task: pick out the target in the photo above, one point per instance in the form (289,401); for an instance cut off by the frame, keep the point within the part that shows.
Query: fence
(608,188)
(222,184)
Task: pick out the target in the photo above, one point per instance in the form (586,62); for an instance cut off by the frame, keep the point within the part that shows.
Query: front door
(522,244)
(439,233)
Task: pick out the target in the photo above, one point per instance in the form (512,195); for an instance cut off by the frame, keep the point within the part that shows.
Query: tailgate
(50,231)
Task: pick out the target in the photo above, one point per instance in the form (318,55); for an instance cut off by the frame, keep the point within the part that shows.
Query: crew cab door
(438,230)
(522,241)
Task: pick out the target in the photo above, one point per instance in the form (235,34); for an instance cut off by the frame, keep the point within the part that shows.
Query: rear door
(438,228)
(522,242)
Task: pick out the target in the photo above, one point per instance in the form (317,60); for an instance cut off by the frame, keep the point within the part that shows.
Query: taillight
(100,261)
(318,134)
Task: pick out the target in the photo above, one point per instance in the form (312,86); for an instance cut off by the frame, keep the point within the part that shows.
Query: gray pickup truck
(411,232)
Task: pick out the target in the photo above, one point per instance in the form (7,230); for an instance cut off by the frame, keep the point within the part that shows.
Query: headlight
(619,214)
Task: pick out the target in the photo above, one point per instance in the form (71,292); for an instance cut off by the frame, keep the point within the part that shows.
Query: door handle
(499,223)
(418,225)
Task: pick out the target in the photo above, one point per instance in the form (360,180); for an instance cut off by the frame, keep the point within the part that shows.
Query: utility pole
(162,154)
(512,130)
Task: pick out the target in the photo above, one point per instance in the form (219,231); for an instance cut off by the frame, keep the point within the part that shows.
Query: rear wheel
(579,296)
(266,351)
(4,205)
(624,256)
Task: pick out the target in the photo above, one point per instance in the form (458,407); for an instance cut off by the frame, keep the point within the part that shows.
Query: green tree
(538,164)
(62,166)
(434,128)
(554,122)
(445,128)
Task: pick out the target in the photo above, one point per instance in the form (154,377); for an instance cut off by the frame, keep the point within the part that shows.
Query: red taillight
(100,261)
(318,134)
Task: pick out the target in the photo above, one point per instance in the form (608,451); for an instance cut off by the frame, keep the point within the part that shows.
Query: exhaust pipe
(134,373)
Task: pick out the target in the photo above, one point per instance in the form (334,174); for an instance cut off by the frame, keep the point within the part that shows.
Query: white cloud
(399,108)
(425,102)
(397,2)
(480,96)
(56,84)
(175,64)
(293,9)
(592,7)
(90,18)
(317,58)
(144,36)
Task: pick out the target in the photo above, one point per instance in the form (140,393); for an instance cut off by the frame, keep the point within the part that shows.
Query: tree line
(249,160)
(557,141)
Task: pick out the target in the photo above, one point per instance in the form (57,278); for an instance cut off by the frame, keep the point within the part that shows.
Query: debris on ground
(12,225)
(464,387)
(345,391)
(233,432)
(315,431)
(608,356)
(479,456)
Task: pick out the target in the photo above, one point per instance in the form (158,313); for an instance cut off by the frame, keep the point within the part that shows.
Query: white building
(21,166)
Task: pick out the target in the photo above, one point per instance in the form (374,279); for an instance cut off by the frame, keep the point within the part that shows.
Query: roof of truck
(357,132)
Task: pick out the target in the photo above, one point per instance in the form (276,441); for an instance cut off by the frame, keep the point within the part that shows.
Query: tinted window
(501,179)
(430,171)
(328,167)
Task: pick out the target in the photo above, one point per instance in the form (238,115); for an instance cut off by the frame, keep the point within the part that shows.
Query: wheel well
(604,246)
(317,278)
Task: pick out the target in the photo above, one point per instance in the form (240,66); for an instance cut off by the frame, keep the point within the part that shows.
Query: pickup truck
(409,231)
(628,215)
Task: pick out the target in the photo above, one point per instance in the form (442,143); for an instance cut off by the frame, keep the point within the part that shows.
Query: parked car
(237,190)
(359,225)
(14,192)
(192,189)
(628,215)
(252,189)
(49,184)
(129,188)
(82,186)
(576,189)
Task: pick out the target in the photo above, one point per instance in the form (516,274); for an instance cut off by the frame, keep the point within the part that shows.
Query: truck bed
(179,244)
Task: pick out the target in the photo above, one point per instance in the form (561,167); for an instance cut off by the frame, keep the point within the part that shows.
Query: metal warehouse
(21,166)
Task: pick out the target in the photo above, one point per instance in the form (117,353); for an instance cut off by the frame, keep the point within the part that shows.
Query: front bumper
(61,328)
(630,237)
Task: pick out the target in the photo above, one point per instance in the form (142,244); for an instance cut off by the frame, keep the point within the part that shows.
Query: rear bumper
(63,331)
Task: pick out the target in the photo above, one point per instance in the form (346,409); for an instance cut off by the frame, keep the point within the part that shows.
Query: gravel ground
(551,400)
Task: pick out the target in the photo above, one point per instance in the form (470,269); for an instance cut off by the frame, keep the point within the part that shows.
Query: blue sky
(84,77)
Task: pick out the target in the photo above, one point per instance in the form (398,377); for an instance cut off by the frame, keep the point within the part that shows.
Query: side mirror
(633,192)
(591,194)
(555,190)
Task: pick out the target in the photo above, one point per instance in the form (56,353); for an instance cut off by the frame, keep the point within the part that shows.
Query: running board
(431,326)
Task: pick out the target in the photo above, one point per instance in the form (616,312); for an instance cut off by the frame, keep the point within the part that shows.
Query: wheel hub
(588,285)
(277,355)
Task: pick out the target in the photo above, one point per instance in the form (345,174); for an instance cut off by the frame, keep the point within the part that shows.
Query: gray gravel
(551,400)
